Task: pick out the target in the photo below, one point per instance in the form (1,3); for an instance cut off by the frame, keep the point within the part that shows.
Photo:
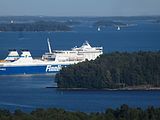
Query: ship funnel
(49,46)
(12,56)
(26,54)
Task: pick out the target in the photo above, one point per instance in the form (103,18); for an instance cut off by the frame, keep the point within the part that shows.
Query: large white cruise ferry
(51,62)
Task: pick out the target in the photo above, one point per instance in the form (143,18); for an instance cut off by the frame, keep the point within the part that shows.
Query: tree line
(35,26)
(113,70)
(122,113)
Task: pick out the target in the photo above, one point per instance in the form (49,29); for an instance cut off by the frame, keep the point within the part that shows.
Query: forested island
(113,71)
(108,23)
(35,26)
(122,113)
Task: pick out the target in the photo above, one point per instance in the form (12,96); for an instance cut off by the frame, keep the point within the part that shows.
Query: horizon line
(79,16)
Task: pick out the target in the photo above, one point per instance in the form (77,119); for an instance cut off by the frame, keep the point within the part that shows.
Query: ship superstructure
(12,56)
(75,54)
(51,62)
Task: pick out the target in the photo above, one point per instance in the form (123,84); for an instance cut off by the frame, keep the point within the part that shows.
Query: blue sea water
(30,92)
(139,37)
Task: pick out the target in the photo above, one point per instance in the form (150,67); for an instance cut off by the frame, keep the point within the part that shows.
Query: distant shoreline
(108,89)
(35,26)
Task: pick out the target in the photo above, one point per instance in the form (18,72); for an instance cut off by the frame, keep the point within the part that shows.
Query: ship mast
(49,46)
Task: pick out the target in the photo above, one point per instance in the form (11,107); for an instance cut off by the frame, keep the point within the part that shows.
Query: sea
(29,92)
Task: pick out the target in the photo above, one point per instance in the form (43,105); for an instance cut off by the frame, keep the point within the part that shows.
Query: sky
(79,7)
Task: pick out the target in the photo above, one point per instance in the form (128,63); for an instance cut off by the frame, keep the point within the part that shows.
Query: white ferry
(51,62)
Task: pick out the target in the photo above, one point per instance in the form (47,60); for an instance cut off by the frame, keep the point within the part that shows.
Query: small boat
(118,28)
(98,29)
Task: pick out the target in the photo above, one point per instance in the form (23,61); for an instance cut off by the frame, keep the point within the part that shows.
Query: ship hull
(22,70)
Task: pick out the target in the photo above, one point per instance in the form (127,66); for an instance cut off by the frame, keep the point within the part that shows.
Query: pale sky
(79,7)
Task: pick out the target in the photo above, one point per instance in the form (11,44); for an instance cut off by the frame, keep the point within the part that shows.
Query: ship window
(51,59)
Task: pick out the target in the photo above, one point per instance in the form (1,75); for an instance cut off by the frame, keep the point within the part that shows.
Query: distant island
(137,70)
(35,26)
(108,23)
(49,23)
(123,113)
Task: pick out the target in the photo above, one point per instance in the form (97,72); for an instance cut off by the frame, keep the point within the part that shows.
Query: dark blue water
(140,37)
(30,92)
